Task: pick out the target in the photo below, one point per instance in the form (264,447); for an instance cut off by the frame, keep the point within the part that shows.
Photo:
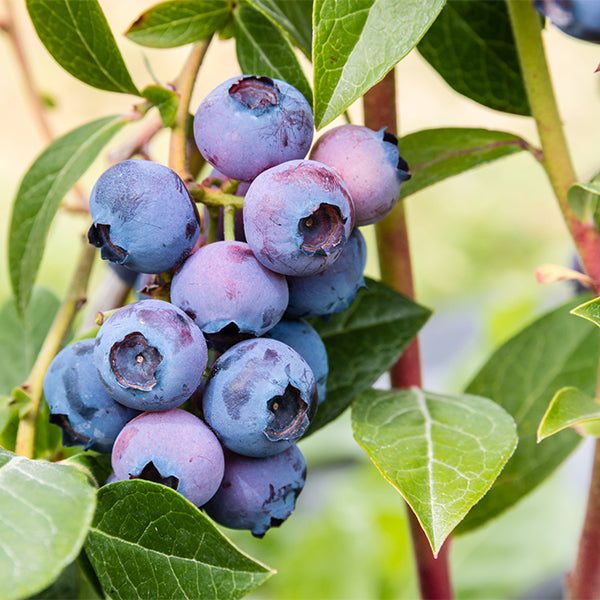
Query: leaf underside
(356,43)
(45,511)
(441,452)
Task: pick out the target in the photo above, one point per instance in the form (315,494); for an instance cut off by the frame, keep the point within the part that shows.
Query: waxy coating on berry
(258,493)
(260,397)
(332,290)
(143,217)
(151,355)
(370,164)
(304,339)
(80,404)
(173,448)
(229,294)
(298,217)
(249,124)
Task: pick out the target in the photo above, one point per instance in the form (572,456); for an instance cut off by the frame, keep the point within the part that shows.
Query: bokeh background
(476,241)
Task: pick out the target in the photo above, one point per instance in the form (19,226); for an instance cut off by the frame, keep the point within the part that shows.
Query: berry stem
(73,301)
(213,197)
(584,581)
(229,223)
(557,161)
(379,105)
(179,130)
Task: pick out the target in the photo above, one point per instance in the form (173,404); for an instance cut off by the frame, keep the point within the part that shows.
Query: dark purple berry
(258,493)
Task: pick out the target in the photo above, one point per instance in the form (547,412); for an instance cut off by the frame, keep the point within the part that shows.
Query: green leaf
(589,310)
(436,154)
(522,376)
(569,407)
(179,22)
(262,49)
(363,342)
(441,452)
(20,343)
(95,465)
(584,199)
(77,35)
(356,43)
(471,46)
(42,189)
(294,18)
(165,100)
(176,550)
(45,512)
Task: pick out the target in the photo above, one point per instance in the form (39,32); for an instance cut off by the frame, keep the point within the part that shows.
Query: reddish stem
(584,582)
(379,105)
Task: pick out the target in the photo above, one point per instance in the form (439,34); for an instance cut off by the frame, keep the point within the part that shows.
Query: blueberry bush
(144,438)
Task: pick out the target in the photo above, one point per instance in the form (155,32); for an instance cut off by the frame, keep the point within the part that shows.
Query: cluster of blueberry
(236,306)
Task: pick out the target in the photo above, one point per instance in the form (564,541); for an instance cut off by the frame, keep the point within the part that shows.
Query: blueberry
(578,18)
(260,397)
(258,493)
(151,355)
(248,124)
(304,339)
(369,162)
(80,405)
(297,217)
(174,448)
(332,290)
(143,216)
(229,293)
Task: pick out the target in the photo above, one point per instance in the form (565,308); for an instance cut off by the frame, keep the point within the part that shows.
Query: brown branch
(396,270)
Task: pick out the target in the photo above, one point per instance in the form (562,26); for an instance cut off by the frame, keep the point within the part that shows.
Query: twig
(137,145)
(185,86)
(557,161)
(35,99)
(73,301)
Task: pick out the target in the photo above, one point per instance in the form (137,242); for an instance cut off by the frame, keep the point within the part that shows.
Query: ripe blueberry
(151,355)
(143,216)
(369,162)
(249,124)
(258,493)
(304,339)
(80,404)
(332,290)
(174,448)
(297,217)
(259,397)
(229,293)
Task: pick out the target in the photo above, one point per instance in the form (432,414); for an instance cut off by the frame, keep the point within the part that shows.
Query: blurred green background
(476,241)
